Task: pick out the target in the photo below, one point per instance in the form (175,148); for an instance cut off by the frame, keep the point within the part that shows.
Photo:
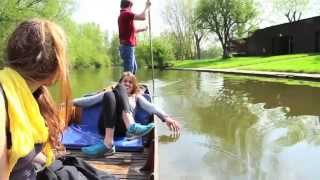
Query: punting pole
(155,151)
(151,52)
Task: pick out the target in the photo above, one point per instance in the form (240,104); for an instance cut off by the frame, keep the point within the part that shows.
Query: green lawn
(306,63)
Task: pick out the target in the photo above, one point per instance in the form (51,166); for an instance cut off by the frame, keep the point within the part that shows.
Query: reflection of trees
(222,116)
(241,120)
(235,137)
(165,139)
(225,117)
(297,132)
(301,100)
(85,81)
(211,84)
(303,128)
(226,120)
(284,107)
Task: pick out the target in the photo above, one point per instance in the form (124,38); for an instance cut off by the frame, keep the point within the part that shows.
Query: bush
(113,50)
(87,47)
(212,52)
(162,53)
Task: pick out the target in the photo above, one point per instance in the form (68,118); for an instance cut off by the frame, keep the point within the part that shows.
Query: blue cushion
(124,145)
(74,137)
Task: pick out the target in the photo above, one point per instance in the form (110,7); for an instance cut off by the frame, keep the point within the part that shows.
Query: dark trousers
(113,104)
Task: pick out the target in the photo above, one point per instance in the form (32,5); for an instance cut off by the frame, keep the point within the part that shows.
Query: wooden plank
(133,169)
(125,165)
(156,156)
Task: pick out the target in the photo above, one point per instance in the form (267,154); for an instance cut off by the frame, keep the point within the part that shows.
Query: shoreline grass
(298,63)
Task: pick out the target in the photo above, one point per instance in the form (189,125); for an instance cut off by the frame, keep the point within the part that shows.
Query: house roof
(307,20)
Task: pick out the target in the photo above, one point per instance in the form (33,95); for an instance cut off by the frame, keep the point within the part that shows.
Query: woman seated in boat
(119,107)
(135,95)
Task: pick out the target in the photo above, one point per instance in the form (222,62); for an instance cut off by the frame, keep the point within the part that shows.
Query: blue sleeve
(89,100)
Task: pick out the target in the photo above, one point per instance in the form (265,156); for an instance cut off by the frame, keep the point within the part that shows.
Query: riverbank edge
(269,74)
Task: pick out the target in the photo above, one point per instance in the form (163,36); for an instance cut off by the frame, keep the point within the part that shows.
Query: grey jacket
(87,101)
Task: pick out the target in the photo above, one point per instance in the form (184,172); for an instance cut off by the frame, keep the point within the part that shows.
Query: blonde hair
(132,77)
(37,50)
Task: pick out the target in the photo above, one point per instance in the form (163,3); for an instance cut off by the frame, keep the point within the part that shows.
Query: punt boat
(141,165)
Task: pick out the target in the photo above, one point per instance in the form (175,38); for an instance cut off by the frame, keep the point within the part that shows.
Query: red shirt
(127,31)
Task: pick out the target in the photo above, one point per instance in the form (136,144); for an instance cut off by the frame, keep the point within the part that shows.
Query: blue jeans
(128,57)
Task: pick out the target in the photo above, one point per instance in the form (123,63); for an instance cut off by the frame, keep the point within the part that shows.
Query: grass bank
(299,63)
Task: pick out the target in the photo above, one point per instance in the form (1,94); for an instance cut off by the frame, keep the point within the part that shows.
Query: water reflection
(300,100)
(250,127)
(233,127)
(165,139)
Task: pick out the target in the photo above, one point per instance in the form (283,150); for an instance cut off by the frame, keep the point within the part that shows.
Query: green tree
(225,17)
(291,9)
(90,49)
(114,50)
(162,52)
(86,44)
(178,15)
(71,29)
(212,52)
(199,34)
(14,11)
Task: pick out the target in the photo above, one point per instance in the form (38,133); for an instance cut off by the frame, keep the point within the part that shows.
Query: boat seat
(86,132)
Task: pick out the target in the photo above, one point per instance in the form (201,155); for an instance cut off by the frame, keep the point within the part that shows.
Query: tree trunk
(226,53)
(198,49)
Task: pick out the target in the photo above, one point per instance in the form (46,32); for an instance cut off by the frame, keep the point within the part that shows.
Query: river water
(234,127)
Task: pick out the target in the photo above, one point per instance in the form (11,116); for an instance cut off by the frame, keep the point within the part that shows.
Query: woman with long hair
(119,108)
(130,82)
(30,125)
(116,119)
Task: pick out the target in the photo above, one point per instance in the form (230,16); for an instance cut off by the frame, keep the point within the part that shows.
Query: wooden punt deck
(128,165)
(125,165)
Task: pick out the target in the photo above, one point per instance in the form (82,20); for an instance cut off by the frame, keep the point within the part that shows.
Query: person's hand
(40,158)
(148,4)
(142,29)
(145,28)
(172,124)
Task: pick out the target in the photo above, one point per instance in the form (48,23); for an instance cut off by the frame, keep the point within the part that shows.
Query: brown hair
(125,4)
(37,51)
(134,80)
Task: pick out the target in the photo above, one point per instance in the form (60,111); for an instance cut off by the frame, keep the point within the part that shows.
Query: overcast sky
(105,13)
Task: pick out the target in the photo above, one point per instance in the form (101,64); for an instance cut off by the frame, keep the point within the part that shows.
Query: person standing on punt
(127,34)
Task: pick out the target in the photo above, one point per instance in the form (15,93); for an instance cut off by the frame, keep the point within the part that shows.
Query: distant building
(298,37)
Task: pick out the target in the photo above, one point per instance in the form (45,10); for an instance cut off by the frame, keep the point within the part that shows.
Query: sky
(105,13)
